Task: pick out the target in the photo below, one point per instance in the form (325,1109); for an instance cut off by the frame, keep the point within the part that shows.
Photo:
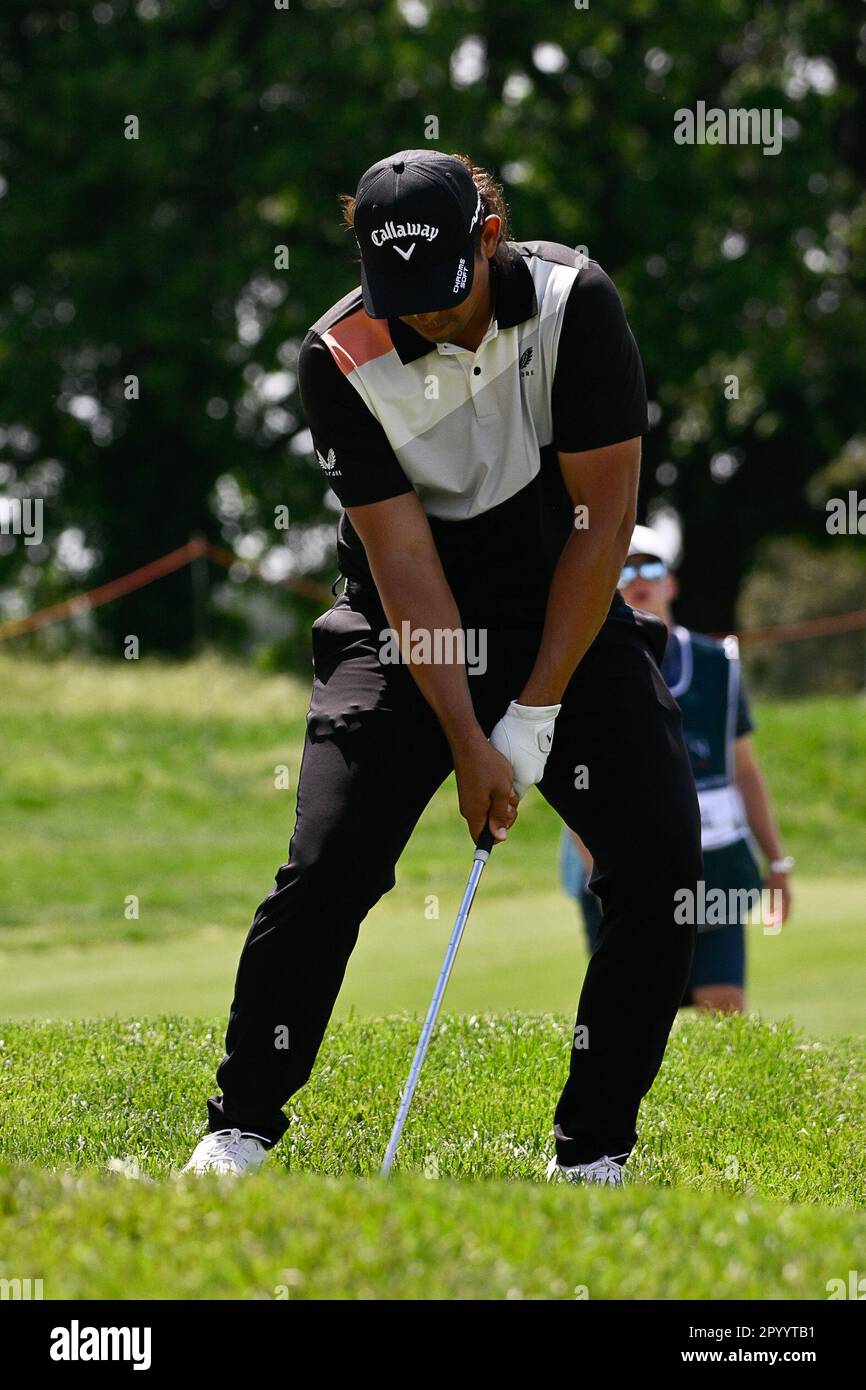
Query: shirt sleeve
(351,446)
(599,392)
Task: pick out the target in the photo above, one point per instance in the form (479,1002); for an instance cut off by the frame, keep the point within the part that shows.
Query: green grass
(747,1130)
(518,954)
(316,1238)
(158,780)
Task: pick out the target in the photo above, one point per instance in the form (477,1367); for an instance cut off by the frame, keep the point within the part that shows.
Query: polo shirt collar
(516,301)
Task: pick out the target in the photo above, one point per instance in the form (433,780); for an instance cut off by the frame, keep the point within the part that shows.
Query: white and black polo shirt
(475,435)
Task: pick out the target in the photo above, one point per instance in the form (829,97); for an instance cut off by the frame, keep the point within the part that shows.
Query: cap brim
(390,295)
(651,553)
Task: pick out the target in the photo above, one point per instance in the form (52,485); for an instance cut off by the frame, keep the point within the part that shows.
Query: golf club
(483,847)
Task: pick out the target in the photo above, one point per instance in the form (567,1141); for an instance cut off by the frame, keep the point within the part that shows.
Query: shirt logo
(525,359)
(392,230)
(701,749)
(329,463)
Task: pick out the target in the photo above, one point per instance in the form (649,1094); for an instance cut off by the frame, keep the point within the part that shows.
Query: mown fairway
(748,1173)
(157,781)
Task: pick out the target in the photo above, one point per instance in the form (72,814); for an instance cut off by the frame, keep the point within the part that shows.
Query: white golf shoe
(227,1151)
(606,1171)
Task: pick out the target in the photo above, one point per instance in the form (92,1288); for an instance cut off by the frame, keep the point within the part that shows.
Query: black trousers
(374,755)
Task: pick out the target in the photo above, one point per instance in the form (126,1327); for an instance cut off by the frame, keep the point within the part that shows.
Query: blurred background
(169,228)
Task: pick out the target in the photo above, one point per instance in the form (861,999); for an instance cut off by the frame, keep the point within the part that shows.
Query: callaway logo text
(392,230)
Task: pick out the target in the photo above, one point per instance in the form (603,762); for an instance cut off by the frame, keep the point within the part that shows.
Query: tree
(149,328)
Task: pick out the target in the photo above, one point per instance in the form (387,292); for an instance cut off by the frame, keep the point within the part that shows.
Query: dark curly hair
(492,201)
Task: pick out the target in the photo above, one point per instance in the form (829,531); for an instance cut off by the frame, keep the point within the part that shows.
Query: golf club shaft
(482,854)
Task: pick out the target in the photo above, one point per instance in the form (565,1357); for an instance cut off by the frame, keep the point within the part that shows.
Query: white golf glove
(524,735)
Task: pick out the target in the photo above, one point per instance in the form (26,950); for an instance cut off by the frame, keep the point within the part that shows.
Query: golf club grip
(485,840)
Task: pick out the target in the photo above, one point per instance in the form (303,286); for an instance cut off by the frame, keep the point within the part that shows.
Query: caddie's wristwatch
(781,866)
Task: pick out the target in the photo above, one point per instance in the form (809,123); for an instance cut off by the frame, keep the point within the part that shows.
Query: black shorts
(720,952)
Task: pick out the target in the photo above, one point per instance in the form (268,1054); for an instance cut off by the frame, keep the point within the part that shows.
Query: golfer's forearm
(759,812)
(581,590)
(418,601)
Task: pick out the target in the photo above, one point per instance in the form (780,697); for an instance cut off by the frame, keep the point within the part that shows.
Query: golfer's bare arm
(753,789)
(759,813)
(413,588)
(605,482)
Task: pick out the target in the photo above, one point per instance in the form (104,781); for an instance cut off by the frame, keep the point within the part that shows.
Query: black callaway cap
(415,218)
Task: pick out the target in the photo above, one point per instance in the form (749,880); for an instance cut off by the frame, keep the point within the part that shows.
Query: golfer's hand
(782,883)
(485,791)
(524,735)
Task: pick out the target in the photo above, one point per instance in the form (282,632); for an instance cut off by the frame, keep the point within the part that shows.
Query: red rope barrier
(810,627)
(310,588)
(148,574)
(104,593)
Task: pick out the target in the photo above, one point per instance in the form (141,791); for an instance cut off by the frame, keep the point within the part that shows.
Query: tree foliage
(154,258)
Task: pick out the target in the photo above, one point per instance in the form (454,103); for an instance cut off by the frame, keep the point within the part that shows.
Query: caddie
(705,677)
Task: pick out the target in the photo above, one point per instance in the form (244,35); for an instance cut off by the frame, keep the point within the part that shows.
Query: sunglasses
(648,569)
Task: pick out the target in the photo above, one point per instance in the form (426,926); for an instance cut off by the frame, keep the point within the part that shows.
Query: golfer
(477,406)
(705,678)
